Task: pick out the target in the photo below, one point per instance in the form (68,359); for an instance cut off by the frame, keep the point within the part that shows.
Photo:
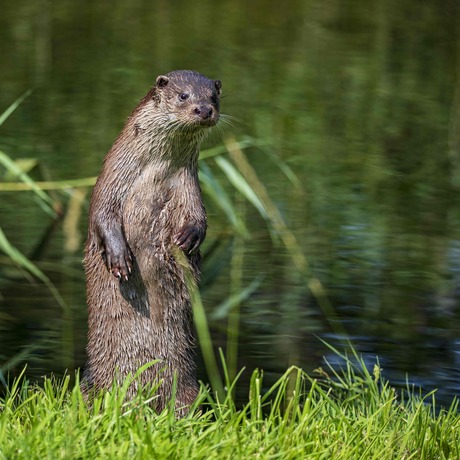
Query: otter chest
(157,205)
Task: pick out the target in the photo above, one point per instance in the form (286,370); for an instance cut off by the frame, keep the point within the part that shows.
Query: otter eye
(183,96)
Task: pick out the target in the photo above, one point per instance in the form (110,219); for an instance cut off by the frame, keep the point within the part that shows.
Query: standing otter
(146,208)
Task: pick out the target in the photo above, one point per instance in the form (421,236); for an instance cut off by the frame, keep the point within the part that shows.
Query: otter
(146,218)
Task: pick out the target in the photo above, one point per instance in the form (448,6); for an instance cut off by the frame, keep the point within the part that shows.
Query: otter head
(189,99)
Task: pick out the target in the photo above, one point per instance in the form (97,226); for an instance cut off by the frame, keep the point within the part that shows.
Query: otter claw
(122,275)
(189,238)
(119,266)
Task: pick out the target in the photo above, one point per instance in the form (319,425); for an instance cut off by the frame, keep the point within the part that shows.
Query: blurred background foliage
(332,201)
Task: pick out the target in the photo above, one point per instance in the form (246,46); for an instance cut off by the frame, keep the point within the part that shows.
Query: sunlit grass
(355,415)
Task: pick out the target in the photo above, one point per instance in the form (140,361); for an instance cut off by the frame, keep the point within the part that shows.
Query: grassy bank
(352,415)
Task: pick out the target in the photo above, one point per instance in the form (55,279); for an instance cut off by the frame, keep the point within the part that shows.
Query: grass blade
(4,116)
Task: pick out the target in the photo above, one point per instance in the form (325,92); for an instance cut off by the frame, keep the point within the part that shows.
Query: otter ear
(162,81)
(218,85)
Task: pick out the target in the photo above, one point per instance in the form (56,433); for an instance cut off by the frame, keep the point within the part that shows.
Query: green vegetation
(363,104)
(355,414)
(228,181)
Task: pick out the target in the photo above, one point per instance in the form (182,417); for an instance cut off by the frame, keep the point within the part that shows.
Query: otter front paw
(118,259)
(189,238)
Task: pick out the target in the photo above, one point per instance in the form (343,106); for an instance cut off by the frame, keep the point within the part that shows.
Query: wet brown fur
(146,206)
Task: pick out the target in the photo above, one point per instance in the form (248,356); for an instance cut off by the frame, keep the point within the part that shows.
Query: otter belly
(149,316)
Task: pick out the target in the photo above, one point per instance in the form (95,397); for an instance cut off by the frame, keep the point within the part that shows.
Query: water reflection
(360,101)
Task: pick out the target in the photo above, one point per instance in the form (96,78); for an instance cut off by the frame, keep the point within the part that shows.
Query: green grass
(356,414)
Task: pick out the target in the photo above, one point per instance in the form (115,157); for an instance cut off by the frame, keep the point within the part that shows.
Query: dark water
(360,99)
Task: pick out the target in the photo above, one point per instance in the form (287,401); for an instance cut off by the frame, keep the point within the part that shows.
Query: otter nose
(203,111)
